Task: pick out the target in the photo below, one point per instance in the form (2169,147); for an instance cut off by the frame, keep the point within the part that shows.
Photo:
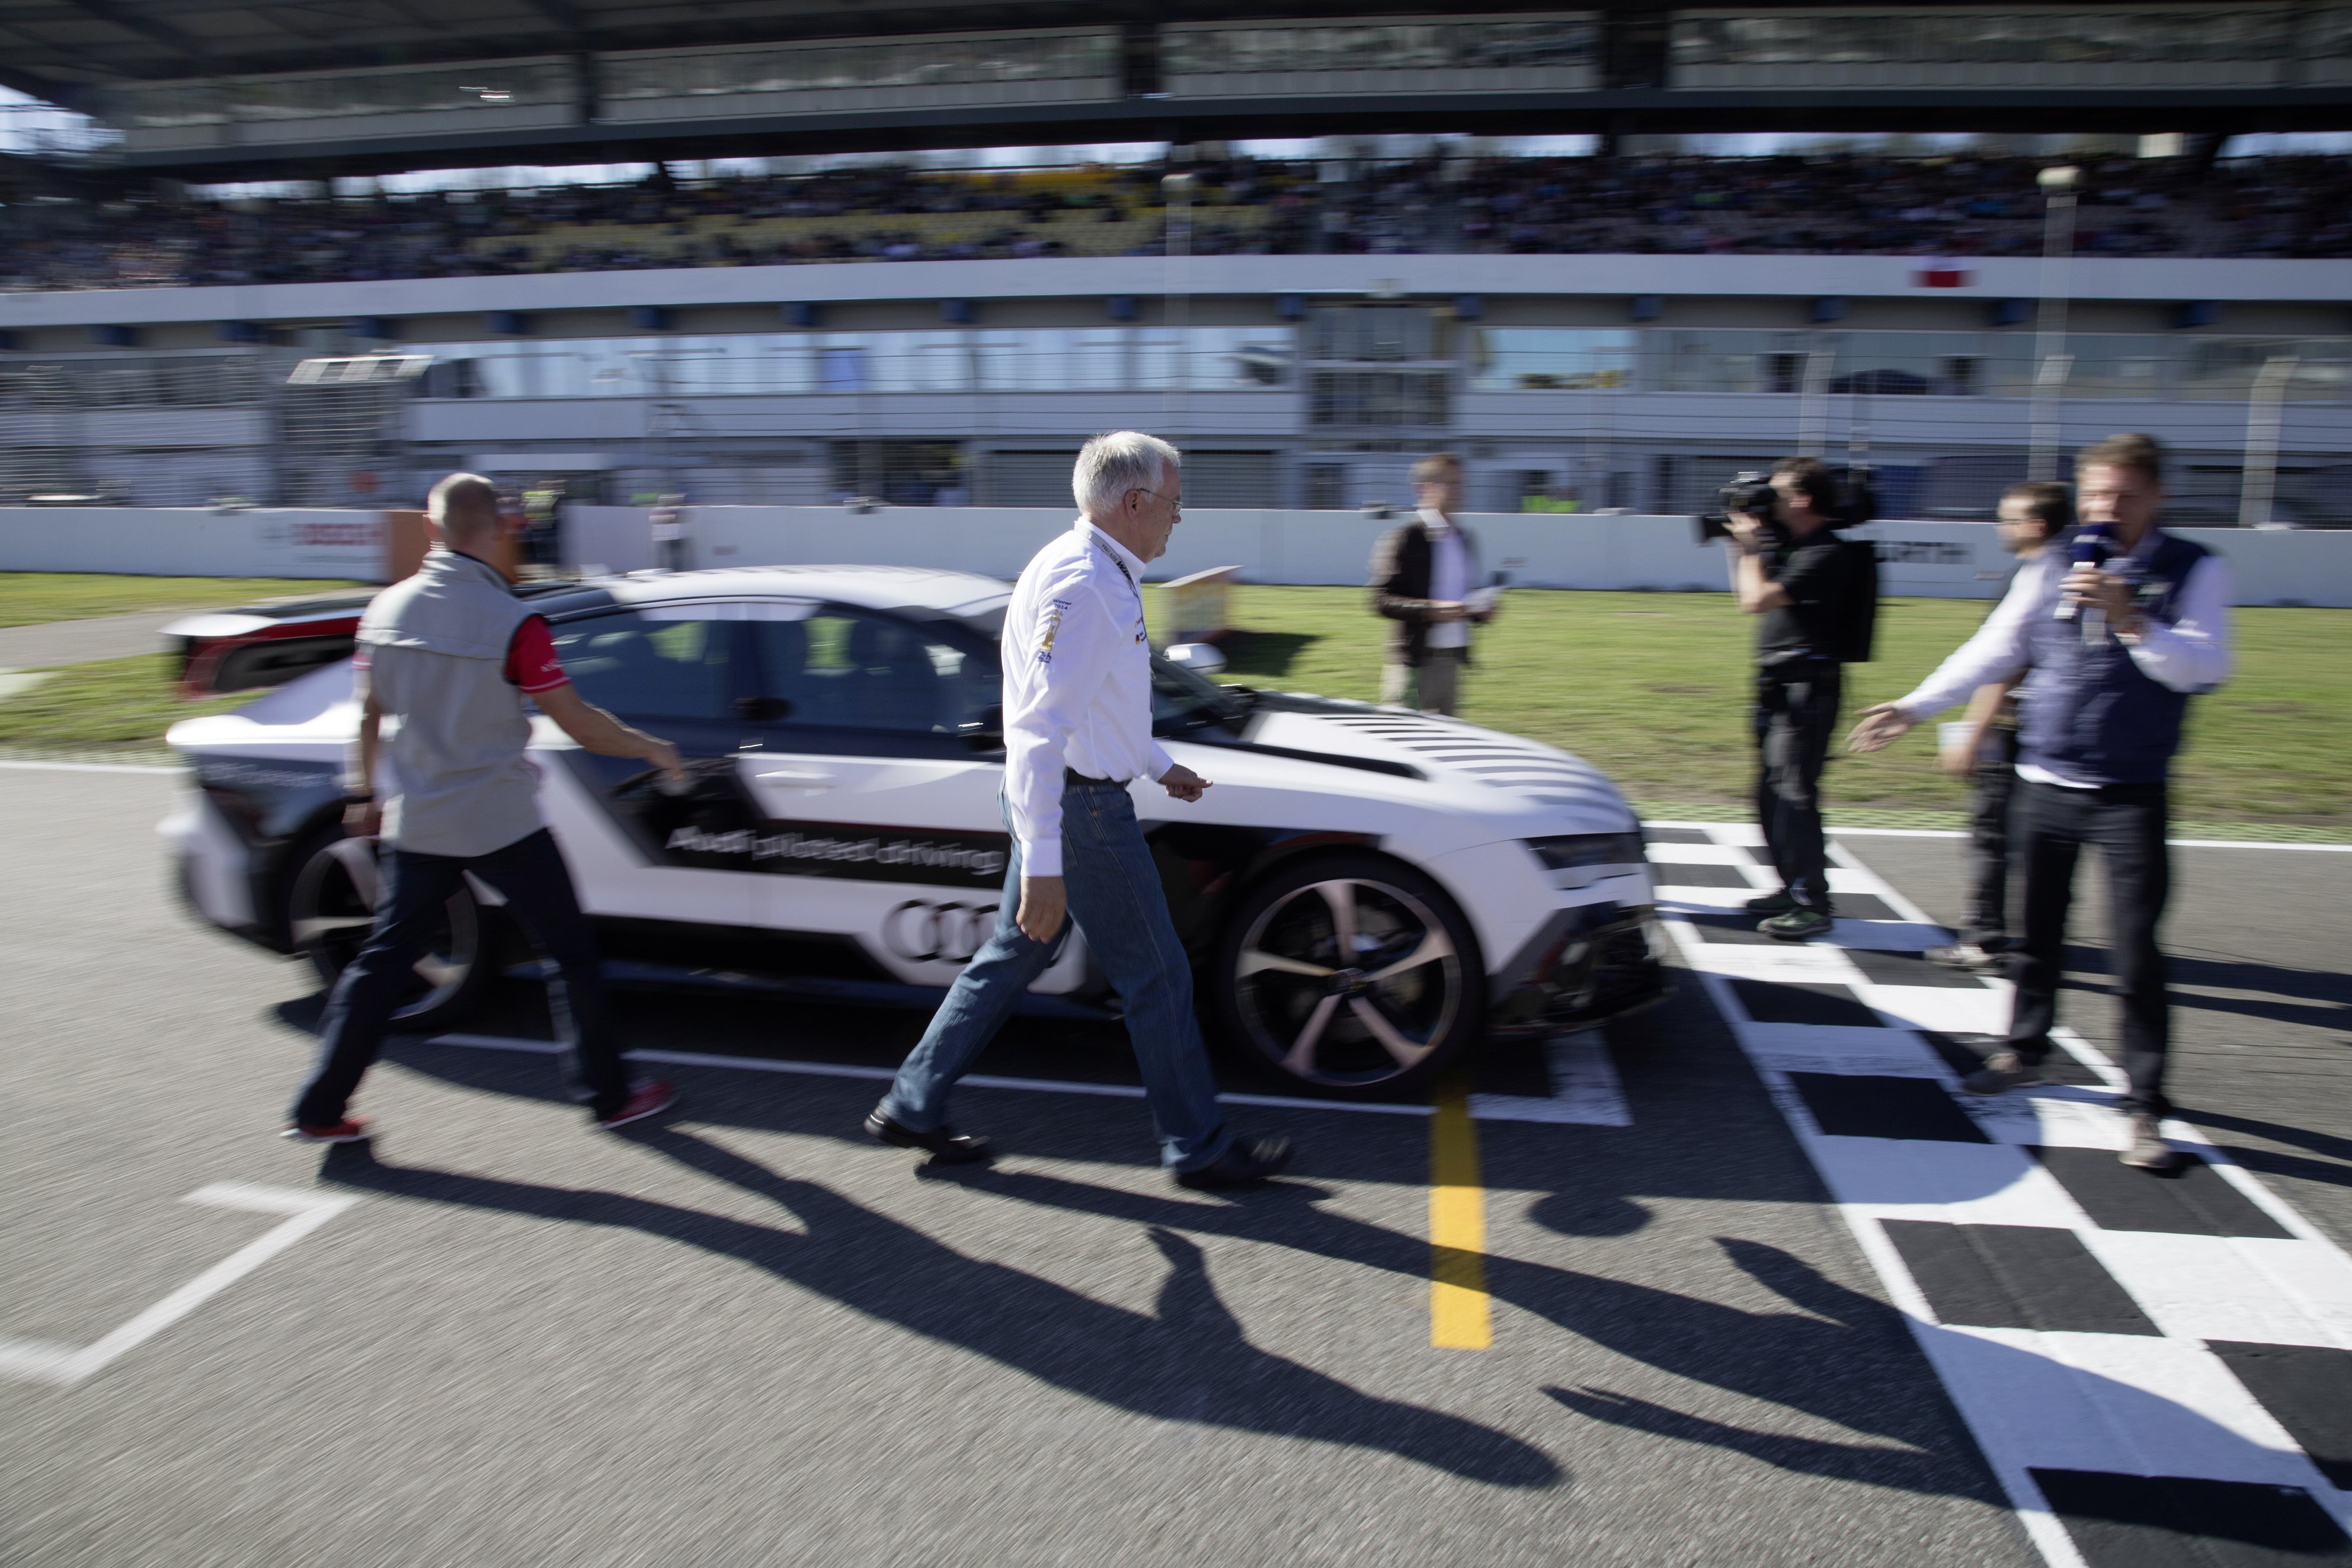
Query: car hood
(1442,760)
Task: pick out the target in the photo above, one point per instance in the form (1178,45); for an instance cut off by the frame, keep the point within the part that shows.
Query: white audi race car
(1366,893)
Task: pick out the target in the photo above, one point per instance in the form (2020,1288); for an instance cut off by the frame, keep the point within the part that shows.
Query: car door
(878,776)
(641,848)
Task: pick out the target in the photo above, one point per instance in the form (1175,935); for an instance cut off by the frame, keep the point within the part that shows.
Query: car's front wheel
(330,908)
(1350,975)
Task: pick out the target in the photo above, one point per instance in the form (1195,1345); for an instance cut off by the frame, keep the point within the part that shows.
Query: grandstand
(748,305)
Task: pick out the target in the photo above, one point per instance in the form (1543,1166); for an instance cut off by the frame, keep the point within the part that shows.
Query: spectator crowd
(1965,206)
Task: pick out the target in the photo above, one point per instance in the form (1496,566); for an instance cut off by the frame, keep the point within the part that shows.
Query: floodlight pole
(2258,481)
(2050,357)
(1177,192)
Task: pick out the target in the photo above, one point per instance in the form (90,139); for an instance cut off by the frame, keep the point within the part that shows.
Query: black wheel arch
(1205,867)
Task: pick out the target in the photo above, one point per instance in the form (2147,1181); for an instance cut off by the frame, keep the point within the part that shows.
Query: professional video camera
(1751,492)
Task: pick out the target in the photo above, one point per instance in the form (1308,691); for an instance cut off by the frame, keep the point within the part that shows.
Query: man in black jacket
(1803,582)
(1425,576)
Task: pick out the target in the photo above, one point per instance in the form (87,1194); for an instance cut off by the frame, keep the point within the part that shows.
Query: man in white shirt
(2110,655)
(1077,731)
(1423,577)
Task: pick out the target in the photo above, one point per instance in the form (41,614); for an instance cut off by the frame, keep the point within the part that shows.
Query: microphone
(2094,543)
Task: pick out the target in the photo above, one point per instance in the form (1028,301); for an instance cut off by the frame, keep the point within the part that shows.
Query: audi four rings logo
(924,934)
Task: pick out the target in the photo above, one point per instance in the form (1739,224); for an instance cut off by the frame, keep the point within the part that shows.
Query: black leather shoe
(946,1145)
(1245,1164)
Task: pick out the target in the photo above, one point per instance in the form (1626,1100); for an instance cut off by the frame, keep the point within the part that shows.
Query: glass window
(2037,36)
(1377,398)
(1373,332)
(2225,368)
(665,662)
(1520,359)
(1051,359)
(1212,357)
(1358,46)
(914,63)
(846,669)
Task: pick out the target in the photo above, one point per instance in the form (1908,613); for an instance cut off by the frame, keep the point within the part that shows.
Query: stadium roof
(84,54)
(52,48)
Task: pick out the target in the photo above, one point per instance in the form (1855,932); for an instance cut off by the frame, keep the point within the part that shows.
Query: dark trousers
(1796,719)
(1990,791)
(2128,822)
(538,890)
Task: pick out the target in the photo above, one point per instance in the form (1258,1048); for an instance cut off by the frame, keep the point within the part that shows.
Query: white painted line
(1958,833)
(2174,843)
(883,1075)
(1584,1088)
(1585,1092)
(37,1362)
(87,767)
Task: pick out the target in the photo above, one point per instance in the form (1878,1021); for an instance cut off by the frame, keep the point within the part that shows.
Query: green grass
(30,598)
(1650,687)
(115,705)
(1653,688)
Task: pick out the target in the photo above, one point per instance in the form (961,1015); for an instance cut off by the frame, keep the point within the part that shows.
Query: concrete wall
(1937,559)
(158,541)
(1934,560)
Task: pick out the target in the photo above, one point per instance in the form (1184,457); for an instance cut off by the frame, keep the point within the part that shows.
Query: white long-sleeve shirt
(1078,684)
(2193,654)
(1449,578)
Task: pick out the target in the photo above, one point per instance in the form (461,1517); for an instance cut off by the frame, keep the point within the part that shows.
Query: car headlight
(1580,859)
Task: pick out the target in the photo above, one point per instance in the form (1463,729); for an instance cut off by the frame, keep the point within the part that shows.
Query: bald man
(453,655)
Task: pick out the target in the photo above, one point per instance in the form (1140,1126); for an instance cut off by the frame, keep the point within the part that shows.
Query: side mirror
(1199,657)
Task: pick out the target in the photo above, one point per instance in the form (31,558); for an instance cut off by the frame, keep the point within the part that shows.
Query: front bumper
(1589,964)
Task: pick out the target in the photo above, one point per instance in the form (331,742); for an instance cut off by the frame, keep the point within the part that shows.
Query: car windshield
(1180,699)
(1184,701)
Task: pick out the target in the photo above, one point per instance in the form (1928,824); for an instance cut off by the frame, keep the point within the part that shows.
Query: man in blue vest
(2112,630)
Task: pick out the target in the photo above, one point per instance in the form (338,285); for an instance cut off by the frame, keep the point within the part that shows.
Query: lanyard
(1113,557)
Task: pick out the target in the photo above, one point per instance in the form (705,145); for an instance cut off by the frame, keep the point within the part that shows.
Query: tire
(1388,1023)
(329,908)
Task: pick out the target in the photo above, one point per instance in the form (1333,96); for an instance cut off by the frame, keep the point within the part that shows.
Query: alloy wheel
(333,909)
(1348,982)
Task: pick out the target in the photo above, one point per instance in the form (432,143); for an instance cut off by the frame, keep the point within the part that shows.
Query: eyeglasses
(1173,505)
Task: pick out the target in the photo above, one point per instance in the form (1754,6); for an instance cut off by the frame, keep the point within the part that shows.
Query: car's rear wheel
(330,908)
(1350,975)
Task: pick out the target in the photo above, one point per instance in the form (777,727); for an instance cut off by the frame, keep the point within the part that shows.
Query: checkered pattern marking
(2159,1369)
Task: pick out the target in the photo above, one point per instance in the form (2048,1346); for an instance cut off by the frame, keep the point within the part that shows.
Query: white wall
(158,541)
(1937,559)
(1932,560)
(2160,279)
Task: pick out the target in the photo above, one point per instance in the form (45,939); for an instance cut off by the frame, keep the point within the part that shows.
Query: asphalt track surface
(745,1335)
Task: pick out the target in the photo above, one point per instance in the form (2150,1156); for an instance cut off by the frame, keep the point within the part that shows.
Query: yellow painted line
(1459,1318)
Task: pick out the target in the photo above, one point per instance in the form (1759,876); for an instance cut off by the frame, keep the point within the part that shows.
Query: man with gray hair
(1077,731)
(452,654)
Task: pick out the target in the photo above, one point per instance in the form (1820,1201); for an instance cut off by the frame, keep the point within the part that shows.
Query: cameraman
(1794,572)
(2112,635)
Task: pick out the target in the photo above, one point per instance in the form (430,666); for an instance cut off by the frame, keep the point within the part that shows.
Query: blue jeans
(531,873)
(1114,898)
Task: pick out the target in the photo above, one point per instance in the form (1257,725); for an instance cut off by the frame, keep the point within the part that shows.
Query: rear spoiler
(222,651)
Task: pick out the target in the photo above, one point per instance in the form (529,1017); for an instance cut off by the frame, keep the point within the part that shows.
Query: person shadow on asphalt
(1190,1362)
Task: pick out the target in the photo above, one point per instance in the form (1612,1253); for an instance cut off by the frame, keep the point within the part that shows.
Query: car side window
(844,670)
(664,662)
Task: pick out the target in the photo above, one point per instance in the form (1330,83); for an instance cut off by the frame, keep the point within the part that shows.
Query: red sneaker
(645,1100)
(349,1130)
